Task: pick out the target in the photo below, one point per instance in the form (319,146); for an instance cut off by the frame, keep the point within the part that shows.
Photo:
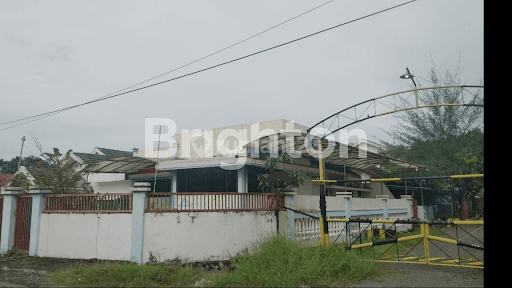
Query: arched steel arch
(378,104)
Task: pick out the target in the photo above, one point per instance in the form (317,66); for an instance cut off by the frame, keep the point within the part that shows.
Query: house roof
(88,158)
(22,170)
(4,178)
(112,152)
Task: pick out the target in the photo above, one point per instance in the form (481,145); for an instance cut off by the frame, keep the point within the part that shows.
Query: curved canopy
(340,154)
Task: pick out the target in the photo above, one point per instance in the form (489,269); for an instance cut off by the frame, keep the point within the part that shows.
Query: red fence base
(22,216)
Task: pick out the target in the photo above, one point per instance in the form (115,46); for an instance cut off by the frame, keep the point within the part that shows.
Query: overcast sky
(56,54)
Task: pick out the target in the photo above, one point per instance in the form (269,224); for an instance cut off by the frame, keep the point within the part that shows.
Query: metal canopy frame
(382,106)
(353,160)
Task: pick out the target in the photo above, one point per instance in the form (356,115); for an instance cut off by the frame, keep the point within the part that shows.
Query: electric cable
(211,54)
(199,71)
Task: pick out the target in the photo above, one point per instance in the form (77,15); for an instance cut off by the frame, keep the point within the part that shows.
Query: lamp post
(408,75)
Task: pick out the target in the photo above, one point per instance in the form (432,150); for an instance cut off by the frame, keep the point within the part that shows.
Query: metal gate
(445,243)
(22,218)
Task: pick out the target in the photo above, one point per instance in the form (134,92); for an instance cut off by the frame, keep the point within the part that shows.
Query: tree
(60,178)
(463,154)
(447,140)
(10,167)
(438,122)
(279,179)
(53,172)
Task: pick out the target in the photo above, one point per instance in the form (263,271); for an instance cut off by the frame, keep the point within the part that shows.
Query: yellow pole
(324,237)
(425,232)
(320,161)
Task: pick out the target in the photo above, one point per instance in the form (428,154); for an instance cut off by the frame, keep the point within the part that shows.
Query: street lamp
(408,75)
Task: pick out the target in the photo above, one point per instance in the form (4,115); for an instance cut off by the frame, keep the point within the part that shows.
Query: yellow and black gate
(446,243)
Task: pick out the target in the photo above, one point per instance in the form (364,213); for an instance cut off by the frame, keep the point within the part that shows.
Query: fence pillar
(37,209)
(242,180)
(242,184)
(384,205)
(10,196)
(174,189)
(347,196)
(408,199)
(139,205)
(289,201)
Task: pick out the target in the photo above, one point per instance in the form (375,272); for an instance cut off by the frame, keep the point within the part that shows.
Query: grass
(127,275)
(15,252)
(275,262)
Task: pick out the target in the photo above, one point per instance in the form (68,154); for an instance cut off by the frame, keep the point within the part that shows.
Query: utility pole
(21,152)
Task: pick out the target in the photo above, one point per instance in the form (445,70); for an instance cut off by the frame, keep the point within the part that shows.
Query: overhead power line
(44,115)
(198,71)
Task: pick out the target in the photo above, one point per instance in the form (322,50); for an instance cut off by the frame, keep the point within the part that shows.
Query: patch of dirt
(33,271)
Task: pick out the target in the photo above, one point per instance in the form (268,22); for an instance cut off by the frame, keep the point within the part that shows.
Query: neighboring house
(110,161)
(23,171)
(4,179)
(201,163)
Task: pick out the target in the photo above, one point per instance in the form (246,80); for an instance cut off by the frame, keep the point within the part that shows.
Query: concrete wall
(122,186)
(105,177)
(203,235)
(85,236)
(397,204)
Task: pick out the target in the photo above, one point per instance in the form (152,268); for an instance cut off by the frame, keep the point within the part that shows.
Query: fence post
(290,200)
(346,196)
(10,196)
(242,184)
(174,189)
(37,209)
(408,200)
(384,205)
(139,205)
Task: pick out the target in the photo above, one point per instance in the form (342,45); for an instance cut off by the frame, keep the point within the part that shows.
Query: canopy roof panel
(341,154)
(121,164)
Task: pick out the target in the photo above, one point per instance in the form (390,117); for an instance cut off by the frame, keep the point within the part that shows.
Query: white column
(408,198)
(38,194)
(242,180)
(138,211)
(347,196)
(174,189)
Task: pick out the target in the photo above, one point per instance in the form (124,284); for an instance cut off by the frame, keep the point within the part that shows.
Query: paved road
(471,234)
(421,275)
(5,284)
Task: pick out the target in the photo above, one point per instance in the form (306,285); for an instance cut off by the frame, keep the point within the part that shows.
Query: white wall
(397,204)
(366,204)
(203,235)
(105,177)
(122,186)
(338,203)
(85,236)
